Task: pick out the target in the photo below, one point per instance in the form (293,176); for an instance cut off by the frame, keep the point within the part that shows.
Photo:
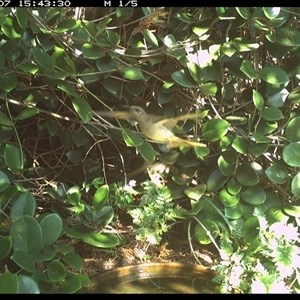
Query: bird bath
(164,278)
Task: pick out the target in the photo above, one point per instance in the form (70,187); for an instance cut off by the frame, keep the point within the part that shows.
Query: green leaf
(132,73)
(8,283)
(241,145)
(248,69)
(66,26)
(195,71)
(70,285)
(292,210)
(72,233)
(226,168)
(25,204)
(180,78)
(195,192)
(254,195)
(74,260)
(295,185)
(287,36)
(292,131)
(291,154)
(201,234)
(26,235)
(227,199)
(42,58)
(246,175)
(147,152)
(100,197)
(277,173)
(4,181)
(234,212)
(275,214)
(4,120)
(83,108)
(215,180)
(27,285)
(150,38)
(5,246)
(274,75)
(24,260)
(74,156)
(250,229)
(51,226)
(242,44)
(272,114)
(278,99)
(243,12)
(134,88)
(215,129)
(131,139)
(8,82)
(27,113)
(233,186)
(209,88)
(103,216)
(56,271)
(22,17)
(91,51)
(68,88)
(271,12)
(102,240)
(14,157)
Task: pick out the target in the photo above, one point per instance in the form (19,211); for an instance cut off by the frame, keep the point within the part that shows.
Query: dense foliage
(65,173)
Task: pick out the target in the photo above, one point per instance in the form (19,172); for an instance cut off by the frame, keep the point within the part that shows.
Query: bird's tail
(187,143)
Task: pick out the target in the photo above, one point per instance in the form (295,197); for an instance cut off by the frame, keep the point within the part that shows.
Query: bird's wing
(115,114)
(171,122)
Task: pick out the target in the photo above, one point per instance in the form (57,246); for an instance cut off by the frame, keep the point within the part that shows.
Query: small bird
(156,128)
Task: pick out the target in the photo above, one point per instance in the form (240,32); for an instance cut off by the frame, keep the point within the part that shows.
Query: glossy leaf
(150,37)
(246,175)
(272,114)
(248,69)
(70,285)
(295,185)
(4,181)
(51,226)
(277,173)
(203,235)
(181,78)
(25,204)
(215,180)
(22,17)
(254,195)
(233,186)
(91,51)
(208,88)
(27,285)
(8,283)
(292,131)
(56,271)
(227,199)
(241,145)
(250,229)
(242,44)
(278,99)
(103,216)
(42,58)
(275,214)
(100,197)
(83,108)
(226,168)
(147,152)
(132,73)
(195,71)
(287,36)
(4,120)
(131,139)
(292,210)
(5,246)
(24,260)
(274,75)
(14,157)
(291,154)
(27,113)
(195,192)
(102,240)
(26,235)
(8,82)
(234,212)
(66,25)
(74,260)
(215,129)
